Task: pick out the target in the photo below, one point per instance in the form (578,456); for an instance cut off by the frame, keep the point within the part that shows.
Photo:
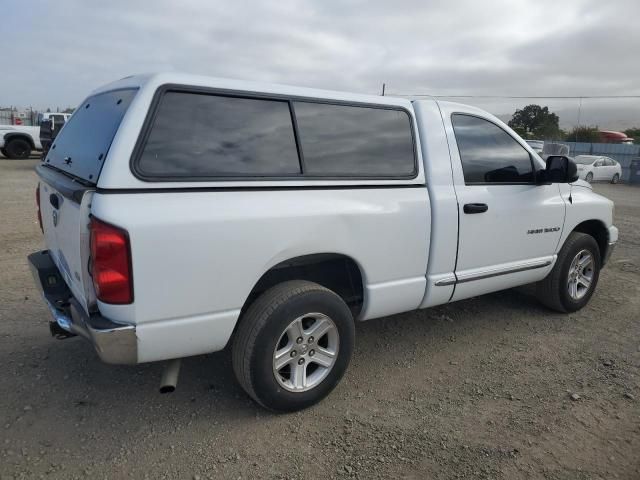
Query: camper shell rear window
(83,143)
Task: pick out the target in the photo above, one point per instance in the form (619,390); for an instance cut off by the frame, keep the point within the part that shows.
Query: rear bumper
(114,342)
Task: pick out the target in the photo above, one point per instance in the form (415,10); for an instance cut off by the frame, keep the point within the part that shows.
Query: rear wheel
(574,277)
(293,345)
(17,149)
(615,179)
(589,177)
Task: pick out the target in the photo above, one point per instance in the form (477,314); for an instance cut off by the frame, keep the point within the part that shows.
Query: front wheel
(293,345)
(574,277)
(589,177)
(615,179)
(18,149)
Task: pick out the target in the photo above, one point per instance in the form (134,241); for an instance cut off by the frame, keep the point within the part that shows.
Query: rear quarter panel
(197,255)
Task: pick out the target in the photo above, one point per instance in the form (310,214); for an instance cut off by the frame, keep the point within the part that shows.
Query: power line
(516,96)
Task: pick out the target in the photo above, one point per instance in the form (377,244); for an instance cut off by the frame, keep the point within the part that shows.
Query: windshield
(584,160)
(83,143)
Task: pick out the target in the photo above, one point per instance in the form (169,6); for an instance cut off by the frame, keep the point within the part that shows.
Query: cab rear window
(82,145)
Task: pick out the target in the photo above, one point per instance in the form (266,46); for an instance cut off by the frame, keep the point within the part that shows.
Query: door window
(489,154)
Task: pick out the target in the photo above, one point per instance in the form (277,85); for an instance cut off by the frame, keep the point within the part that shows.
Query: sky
(56,52)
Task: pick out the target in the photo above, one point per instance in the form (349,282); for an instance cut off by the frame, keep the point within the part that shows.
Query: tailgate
(65,221)
(67,183)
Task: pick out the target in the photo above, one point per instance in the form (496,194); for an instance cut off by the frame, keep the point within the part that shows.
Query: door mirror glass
(560,169)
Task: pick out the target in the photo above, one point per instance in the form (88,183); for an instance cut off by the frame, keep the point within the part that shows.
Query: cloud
(62,50)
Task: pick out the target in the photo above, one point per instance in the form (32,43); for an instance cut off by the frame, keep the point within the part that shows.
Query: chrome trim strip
(446,282)
(493,273)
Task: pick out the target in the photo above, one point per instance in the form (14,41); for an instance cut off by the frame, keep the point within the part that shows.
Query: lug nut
(312,353)
(301,361)
(310,339)
(299,340)
(294,353)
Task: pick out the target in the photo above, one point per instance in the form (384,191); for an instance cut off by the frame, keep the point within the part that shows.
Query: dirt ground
(477,389)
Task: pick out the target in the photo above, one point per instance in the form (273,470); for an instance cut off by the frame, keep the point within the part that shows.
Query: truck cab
(185,213)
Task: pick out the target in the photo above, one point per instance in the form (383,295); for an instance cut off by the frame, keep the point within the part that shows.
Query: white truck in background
(18,141)
(184,213)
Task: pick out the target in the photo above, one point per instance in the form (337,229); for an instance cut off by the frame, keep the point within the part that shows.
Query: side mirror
(560,169)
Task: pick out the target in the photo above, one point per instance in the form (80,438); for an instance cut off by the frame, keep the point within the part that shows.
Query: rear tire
(589,177)
(615,179)
(17,149)
(574,277)
(276,357)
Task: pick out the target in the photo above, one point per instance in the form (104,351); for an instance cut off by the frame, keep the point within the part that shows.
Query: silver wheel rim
(580,274)
(306,352)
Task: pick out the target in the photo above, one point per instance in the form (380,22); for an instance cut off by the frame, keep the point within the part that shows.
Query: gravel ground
(492,387)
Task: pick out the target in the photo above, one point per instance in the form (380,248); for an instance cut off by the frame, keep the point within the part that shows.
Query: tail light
(38,206)
(111,263)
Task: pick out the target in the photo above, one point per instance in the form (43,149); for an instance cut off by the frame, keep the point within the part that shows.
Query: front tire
(18,149)
(293,345)
(615,179)
(574,277)
(589,177)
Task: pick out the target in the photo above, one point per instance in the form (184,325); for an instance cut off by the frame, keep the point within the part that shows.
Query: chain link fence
(11,116)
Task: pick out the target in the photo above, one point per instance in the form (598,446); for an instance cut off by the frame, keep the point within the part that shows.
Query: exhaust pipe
(170,374)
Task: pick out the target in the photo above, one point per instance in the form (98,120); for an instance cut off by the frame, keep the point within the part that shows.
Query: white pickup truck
(18,141)
(182,214)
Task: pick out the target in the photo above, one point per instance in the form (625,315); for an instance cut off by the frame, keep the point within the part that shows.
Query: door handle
(54,200)
(475,208)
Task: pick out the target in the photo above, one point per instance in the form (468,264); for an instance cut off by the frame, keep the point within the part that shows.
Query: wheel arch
(599,231)
(18,135)
(335,271)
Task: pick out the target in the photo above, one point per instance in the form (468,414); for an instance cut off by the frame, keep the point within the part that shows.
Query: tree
(587,134)
(633,133)
(534,121)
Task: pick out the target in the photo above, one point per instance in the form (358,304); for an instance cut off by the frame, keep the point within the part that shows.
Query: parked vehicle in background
(50,126)
(183,213)
(536,145)
(598,168)
(18,141)
(610,136)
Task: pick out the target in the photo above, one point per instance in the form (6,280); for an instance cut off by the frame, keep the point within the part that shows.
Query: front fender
(11,135)
(588,212)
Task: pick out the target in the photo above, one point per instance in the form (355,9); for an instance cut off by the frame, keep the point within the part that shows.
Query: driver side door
(509,227)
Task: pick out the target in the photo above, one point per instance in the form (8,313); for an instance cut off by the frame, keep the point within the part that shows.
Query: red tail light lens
(111,263)
(38,206)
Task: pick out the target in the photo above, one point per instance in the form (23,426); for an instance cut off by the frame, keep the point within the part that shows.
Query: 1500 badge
(543,230)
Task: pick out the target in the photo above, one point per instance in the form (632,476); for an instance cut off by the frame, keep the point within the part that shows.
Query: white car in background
(598,168)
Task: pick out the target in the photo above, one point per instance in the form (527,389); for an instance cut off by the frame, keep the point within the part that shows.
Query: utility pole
(579,112)
(383,86)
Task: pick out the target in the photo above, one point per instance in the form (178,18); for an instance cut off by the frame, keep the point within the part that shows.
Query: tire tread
(548,289)
(254,319)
